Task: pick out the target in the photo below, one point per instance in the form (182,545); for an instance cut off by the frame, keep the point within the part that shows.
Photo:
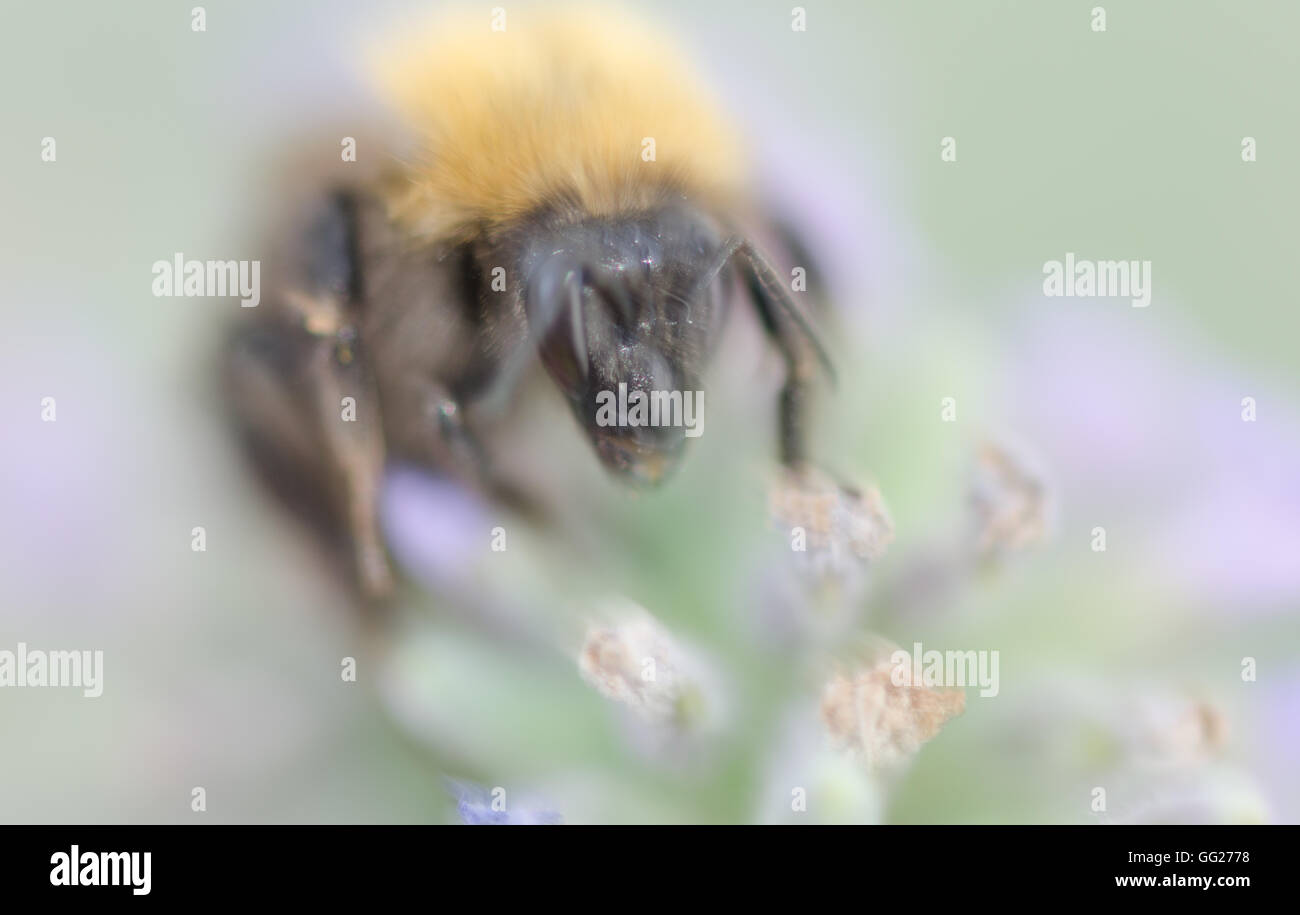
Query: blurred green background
(222,667)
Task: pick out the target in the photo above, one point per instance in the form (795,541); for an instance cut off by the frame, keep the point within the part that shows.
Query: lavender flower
(867,714)
(479,807)
(636,663)
(1008,501)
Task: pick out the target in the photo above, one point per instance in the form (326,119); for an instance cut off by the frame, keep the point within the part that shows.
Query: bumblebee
(573,198)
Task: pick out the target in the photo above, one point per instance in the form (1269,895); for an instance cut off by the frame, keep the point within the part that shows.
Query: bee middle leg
(347,404)
(306,401)
(309,415)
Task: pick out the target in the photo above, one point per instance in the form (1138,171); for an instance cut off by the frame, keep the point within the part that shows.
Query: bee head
(624,313)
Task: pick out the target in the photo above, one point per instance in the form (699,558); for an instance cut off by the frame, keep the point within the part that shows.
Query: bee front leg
(838,520)
(798,345)
(438,435)
(447,444)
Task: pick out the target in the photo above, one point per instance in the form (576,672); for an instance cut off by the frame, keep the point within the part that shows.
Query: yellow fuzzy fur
(554,108)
